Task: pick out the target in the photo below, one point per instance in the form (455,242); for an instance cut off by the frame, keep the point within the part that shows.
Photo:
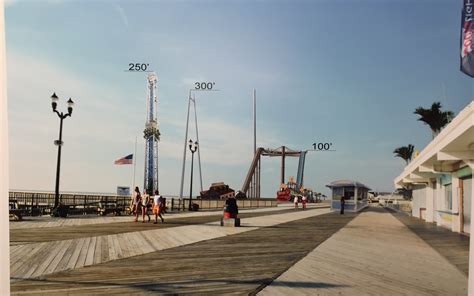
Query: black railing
(43,202)
(79,203)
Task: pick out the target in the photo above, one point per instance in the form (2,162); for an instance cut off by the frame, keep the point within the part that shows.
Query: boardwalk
(454,246)
(279,252)
(36,259)
(375,254)
(124,225)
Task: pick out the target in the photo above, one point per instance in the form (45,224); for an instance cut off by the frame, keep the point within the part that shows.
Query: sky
(346,72)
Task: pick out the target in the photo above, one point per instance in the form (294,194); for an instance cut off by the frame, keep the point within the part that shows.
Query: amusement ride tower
(152,136)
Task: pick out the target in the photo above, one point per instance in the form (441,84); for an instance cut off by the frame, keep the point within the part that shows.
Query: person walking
(158,206)
(303,202)
(145,205)
(295,200)
(343,202)
(163,205)
(136,200)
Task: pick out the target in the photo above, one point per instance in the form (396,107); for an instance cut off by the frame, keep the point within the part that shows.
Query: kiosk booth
(355,195)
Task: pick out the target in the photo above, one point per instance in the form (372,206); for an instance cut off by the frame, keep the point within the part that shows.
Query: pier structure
(151,135)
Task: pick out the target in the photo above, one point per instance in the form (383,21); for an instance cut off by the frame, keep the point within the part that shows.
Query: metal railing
(176,204)
(42,202)
(38,203)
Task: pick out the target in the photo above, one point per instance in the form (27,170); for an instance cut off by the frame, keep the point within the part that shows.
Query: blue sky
(346,72)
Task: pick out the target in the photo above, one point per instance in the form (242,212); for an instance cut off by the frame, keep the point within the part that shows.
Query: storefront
(440,177)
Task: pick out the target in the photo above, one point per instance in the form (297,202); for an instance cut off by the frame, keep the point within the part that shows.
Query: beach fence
(40,203)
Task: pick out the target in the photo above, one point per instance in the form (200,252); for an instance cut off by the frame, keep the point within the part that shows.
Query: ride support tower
(152,136)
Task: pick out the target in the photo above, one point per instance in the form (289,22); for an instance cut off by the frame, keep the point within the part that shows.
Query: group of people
(144,203)
(303,202)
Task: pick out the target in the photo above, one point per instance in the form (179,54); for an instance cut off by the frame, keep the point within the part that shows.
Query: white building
(441,175)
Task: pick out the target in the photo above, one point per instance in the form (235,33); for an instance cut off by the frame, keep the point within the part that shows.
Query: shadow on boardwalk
(189,285)
(451,245)
(241,264)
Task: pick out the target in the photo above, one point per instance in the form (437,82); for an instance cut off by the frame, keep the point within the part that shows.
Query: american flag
(125,160)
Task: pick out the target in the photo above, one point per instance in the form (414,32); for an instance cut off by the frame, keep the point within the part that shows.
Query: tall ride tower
(152,136)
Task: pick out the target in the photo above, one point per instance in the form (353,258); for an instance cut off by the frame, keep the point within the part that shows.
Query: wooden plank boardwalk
(239,264)
(453,246)
(48,222)
(30,235)
(375,254)
(36,259)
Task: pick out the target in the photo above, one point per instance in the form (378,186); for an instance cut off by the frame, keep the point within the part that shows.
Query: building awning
(450,150)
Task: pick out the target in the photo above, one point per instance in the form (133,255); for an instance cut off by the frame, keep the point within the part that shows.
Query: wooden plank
(25,259)
(197,267)
(81,261)
(71,249)
(125,246)
(40,263)
(148,245)
(54,263)
(453,246)
(19,253)
(117,248)
(105,249)
(75,255)
(90,252)
(98,250)
(88,229)
(374,253)
(112,253)
(134,244)
(155,240)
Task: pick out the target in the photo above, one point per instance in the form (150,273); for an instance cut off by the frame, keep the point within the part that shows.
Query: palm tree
(405,152)
(434,117)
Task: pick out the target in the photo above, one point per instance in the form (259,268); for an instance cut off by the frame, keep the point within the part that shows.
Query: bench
(15,212)
(110,206)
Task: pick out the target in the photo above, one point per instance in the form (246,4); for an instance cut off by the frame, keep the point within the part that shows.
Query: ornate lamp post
(192,149)
(59,143)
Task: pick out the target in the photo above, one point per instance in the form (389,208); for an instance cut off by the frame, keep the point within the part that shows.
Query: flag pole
(134,164)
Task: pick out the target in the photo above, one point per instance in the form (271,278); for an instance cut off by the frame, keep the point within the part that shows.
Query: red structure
(218,191)
(288,191)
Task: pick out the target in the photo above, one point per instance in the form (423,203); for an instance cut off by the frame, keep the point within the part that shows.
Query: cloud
(94,138)
(122,14)
(14,2)
(99,130)
(220,142)
(10,2)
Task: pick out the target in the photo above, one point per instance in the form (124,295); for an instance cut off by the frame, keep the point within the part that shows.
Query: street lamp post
(192,149)
(59,143)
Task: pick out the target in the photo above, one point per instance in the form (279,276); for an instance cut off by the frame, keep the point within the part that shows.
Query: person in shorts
(158,206)
(146,200)
(136,201)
